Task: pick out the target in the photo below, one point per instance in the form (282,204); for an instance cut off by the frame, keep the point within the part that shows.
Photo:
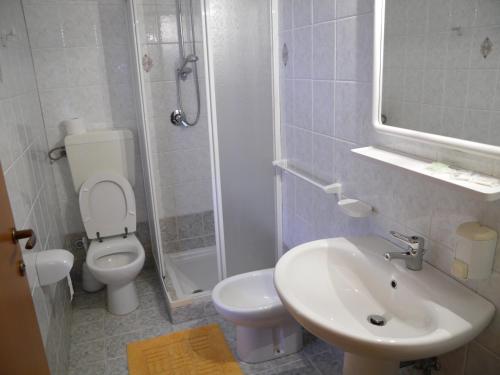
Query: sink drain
(197,291)
(377,320)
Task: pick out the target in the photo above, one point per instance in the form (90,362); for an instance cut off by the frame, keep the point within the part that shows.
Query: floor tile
(119,324)
(96,368)
(88,315)
(99,339)
(117,366)
(86,353)
(116,346)
(87,331)
(328,363)
(301,367)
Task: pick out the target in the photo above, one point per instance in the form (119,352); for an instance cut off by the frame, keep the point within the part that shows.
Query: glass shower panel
(180,156)
(239,33)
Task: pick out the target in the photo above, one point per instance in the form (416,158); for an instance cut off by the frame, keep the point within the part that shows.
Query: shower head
(189,58)
(183,70)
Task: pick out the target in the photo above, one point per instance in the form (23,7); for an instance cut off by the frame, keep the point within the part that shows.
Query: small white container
(53,265)
(475,251)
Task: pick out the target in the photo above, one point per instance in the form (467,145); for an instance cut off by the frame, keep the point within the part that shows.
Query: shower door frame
(145,142)
(145,145)
(213,133)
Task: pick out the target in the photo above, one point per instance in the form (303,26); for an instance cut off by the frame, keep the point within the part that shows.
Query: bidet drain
(376,320)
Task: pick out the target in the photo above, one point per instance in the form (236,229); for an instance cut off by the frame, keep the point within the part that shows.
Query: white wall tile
(481,91)
(439,15)
(24,157)
(463,13)
(352,113)
(303,149)
(113,24)
(304,200)
(85,66)
(436,44)
(285,14)
(303,99)
(487,13)
(323,107)
(433,88)
(167,21)
(455,88)
(44,25)
(302,52)
(50,66)
(80,24)
(302,12)
(324,51)
(323,157)
(354,46)
(346,8)
(412,86)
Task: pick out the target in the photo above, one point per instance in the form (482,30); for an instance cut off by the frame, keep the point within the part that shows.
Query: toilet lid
(107,205)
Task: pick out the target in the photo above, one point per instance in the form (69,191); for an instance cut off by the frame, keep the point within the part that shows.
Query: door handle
(25,233)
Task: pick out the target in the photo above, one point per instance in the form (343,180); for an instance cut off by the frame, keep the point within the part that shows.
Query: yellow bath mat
(197,351)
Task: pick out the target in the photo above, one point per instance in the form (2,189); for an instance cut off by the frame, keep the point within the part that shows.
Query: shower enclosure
(206,97)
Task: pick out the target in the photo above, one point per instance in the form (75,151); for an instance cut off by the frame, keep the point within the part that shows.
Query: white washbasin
(332,286)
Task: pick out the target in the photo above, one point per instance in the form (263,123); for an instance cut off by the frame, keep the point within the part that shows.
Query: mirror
(437,71)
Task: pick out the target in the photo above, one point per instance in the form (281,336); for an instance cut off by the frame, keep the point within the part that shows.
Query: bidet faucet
(413,256)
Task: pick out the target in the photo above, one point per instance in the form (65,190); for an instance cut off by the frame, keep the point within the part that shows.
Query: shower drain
(376,320)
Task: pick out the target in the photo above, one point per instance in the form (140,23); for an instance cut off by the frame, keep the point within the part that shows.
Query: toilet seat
(107,205)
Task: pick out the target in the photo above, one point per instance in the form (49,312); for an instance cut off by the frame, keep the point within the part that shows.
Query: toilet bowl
(115,256)
(264,329)
(116,262)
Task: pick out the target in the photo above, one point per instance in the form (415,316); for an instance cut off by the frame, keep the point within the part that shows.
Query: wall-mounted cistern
(414,256)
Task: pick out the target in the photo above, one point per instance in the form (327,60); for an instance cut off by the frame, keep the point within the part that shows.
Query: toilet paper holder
(53,265)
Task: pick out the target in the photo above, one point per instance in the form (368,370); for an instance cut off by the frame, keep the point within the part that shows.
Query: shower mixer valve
(178,118)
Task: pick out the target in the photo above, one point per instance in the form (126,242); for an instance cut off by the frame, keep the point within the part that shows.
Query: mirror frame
(439,140)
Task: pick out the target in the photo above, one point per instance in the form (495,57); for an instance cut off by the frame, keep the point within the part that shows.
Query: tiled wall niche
(330,70)
(30,180)
(82,56)
(435,76)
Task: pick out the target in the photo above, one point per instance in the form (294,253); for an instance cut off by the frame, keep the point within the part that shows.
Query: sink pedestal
(357,364)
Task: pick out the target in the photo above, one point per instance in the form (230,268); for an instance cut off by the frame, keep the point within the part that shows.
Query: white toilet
(264,329)
(99,163)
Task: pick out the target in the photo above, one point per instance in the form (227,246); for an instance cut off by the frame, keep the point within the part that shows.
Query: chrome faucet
(413,256)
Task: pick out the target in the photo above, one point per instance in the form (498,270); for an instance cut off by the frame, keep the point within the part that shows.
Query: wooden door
(21,346)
